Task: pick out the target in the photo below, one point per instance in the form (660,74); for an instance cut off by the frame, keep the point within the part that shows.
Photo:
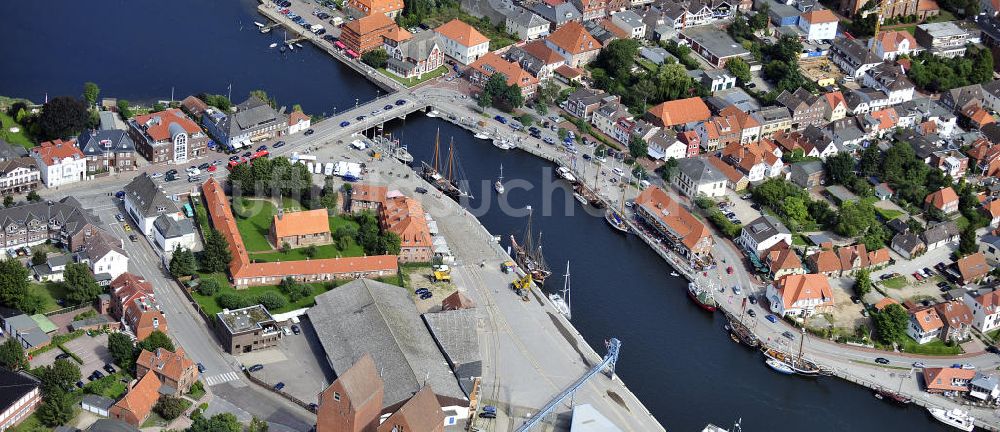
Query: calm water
(675,357)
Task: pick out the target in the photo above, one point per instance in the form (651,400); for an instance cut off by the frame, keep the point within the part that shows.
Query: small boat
(498,185)
(955,418)
(779,366)
(291,47)
(258,24)
(565,174)
(703,297)
(298,44)
(273,45)
(265,29)
(616,220)
(674,274)
(482,135)
(503,144)
(580,198)
(433,113)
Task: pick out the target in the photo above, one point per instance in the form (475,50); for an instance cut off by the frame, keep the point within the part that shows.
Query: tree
(215,257)
(60,376)
(330,195)
(862,283)
(231,300)
(967,242)
(169,407)
(32,303)
(122,349)
(840,168)
(740,69)
(758,21)
(294,289)
(376,58)
(272,300)
(262,95)
(38,257)
(484,100)
(618,57)
(891,323)
(182,263)
(391,243)
(157,339)
(669,169)
(13,282)
(33,197)
(637,147)
(8,201)
(81,287)
(57,409)
(12,355)
(219,101)
(208,287)
(285,247)
(257,425)
(310,251)
(124,109)
(90,93)
(61,117)
(223,422)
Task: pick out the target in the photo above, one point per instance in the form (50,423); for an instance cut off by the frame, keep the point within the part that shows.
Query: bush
(170,407)
(272,300)
(208,287)
(231,300)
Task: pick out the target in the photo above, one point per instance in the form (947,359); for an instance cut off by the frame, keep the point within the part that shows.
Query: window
(336,396)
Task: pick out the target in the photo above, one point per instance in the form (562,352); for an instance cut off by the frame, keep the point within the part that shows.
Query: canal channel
(675,357)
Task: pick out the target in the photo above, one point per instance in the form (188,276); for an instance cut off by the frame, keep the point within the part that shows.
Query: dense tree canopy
(13,282)
(122,349)
(90,93)
(156,339)
(182,263)
(376,58)
(12,355)
(81,287)
(224,422)
(216,256)
(62,117)
(500,95)
(268,177)
(891,323)
(935,73)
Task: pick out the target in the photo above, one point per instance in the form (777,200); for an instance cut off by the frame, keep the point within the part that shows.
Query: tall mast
(802,340)
(528,240)
(565,291)
(437,141)
(451,160)
(501,173)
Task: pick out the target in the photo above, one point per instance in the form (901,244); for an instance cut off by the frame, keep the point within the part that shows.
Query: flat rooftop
(943,29)
(246,319)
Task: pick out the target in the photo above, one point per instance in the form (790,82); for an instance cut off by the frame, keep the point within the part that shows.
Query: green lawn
(325,251)
(110,386)
(255,228)
(20,138)
(961,222)
(210,307)
(52,292)
(897,282)
(410,82)
(934,347)
(889,214)
(30,424)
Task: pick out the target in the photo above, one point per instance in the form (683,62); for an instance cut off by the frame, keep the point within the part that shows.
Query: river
(675,357)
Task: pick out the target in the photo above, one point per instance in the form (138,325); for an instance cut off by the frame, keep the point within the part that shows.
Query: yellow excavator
(522,286)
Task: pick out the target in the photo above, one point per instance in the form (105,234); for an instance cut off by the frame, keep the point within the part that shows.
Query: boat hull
(616,222)
(779,366)
(964,422)
(706,306)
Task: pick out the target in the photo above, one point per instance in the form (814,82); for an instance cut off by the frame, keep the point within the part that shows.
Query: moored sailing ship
(432,173)
(797,363)
(528,254)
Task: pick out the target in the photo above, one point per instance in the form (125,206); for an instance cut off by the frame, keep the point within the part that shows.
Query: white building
(144,202)
(60,162)
(763,233)
(985,309)
(695,176)
(925,325)
(463,42)
(21,398)
(664,145)
(631,22)
(526,25)
(170,234)
(890,79)
(819,24)
(298,121)
(800,295)
(104,254)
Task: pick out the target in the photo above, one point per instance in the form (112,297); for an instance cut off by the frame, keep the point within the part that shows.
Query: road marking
(221,378)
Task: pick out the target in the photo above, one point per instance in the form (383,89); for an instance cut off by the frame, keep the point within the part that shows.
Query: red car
(212,168)
(729,270)
(917,276)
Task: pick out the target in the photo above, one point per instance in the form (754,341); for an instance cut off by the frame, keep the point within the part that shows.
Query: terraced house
(657,209)
(62,221)
(107,151)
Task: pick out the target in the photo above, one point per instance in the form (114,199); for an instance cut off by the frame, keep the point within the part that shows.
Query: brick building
(300,229)
(248,329)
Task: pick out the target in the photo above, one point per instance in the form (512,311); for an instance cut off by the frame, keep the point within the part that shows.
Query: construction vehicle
(441,273)
(522,285)
(507,266)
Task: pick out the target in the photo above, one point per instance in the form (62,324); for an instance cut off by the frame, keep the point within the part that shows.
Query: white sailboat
(273,45)
(561,302)
(955,418)
(498,185)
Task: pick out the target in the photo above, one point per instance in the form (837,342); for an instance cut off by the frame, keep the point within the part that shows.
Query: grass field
(110,386)
(897,282)
(410,82)
(256,227)
(52,292)
(934,347)
(20,138)
(889,214)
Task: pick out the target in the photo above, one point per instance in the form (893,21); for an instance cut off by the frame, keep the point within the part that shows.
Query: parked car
(205,165)
(296,329)
(345,123)
(501,119)
(488,415)
(256,367)
(279,386)
(917,276)
(133,238)
(751,313)
(400,102)
(156,175)
(918,365)
(97,374)
(62,356)
(387,107)
(855,299)
(420,190)
(789,335)
(119,217)
(79,384)
(309,132)
(753,299)
(279,144)
(201,368)
(771,318)
(108,368)
(882,360)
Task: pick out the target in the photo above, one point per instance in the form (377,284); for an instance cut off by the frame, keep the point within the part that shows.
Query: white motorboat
(482,135)
(434,113)
(674,274)
(955,418)
(298,44)
(273,45)
(291,47)
(565,174)
(258,24)
(498,185)
(503,144)
(580,198)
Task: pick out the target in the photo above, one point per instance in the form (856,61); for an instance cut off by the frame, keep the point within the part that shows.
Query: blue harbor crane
(608,363)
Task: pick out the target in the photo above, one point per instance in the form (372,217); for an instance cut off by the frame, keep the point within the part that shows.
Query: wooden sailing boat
(528,254)
(432,173)
(800,365)
(616,217)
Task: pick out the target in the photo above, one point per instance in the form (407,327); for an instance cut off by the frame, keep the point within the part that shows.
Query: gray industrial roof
(715,41)
(366,316)
(97,401)
(455,333)
(700,171)
(111,425)
(765,227)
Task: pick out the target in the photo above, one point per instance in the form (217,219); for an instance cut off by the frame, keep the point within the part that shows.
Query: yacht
(561,302)
(955,418)
(498,185)
(273,45)
(780,366)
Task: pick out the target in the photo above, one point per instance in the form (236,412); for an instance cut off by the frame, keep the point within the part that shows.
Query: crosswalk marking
(221,378)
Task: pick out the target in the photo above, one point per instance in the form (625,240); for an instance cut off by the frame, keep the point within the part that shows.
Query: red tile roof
(795,288)
(301,223)
(462,33)
(141,397)
(53,152)
(819,16)
(948,379)
(927,318)
(297,116)
(166,363)
(157,125)
(492,63)
(688,228)
(681,111)
(973,267)
(941,198)
(405,216)
(540,51)
(574,39)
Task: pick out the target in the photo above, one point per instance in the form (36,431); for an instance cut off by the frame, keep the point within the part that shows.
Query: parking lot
(741,207)
(46,358)
(92,350)
(298,361)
